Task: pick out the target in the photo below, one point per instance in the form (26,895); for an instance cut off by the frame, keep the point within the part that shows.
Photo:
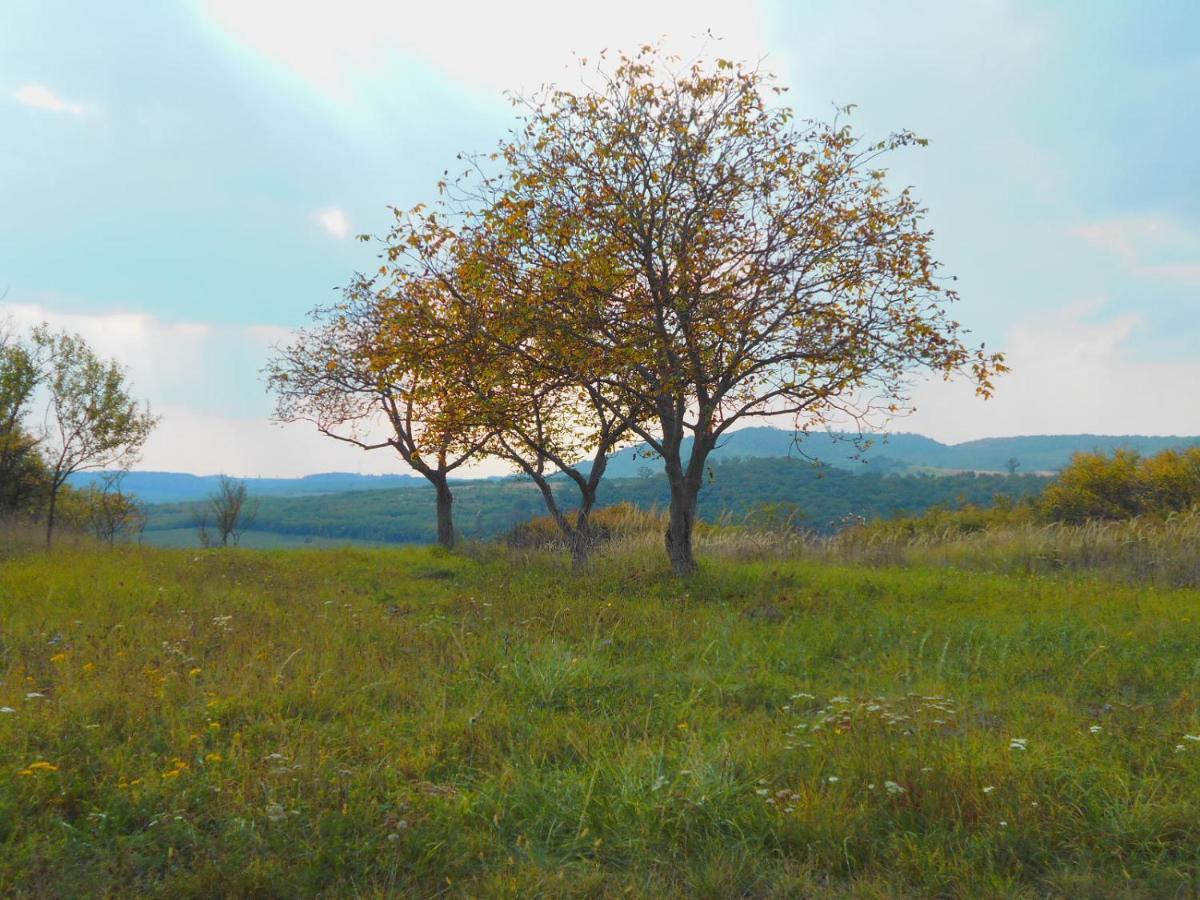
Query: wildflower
(194,672)
(893,788)
(1095,729)
(1191,737)
(7,709)
(89,667)
(682,726)
(276,813)
(58,657)
(870,787)
(1019,743)
(833,779)
(1003,824)
(215,726)
(49,767)
(35,695)
(213,758)
(989,788)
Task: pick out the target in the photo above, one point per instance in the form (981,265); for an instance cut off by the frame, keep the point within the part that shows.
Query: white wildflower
(1095,729)
(893,788)
(989,788)
(1018,743)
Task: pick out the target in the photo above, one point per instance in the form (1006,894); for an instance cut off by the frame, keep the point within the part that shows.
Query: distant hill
(1035,453)
(819,497)
(176,487)
(887,454)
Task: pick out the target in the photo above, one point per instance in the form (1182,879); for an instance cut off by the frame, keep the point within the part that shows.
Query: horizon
(516,474)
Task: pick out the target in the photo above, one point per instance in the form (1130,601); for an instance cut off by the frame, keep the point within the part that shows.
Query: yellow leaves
(35,767)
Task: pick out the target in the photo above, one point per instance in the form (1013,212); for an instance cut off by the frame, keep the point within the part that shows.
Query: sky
(180,182)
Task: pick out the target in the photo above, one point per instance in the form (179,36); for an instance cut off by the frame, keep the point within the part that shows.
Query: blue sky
(181,181)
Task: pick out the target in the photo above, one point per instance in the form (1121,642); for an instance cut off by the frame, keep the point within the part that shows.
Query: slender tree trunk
(50,516)
(445,513)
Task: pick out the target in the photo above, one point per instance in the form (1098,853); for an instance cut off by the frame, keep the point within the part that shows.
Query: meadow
(374,722)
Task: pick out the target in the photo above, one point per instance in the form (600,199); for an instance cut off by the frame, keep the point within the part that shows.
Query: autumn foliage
(662,256)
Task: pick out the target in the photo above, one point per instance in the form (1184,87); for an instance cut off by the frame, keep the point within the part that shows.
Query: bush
(1123,486)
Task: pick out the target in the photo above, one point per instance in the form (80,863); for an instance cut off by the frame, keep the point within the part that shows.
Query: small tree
(377,361)
(224,517)
(92,422)
(112,514)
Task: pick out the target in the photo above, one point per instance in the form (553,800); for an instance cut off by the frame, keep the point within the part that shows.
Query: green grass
(371,722)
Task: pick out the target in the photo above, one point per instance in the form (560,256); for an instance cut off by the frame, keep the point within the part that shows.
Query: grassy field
(366,722)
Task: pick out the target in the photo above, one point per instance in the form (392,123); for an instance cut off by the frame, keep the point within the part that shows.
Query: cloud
(1157,246)
(1073,372)
(41,97)
(334,222)
(337,48)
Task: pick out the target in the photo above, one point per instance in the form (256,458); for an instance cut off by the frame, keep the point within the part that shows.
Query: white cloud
(336,48)
(334,222)
(1155,245)
(41,97)
(1072,373)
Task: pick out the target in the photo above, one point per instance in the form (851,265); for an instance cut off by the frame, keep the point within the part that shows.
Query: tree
(227,512)
(22,477)
(1012,465)
(495,352)
(376,360)
(724,261)
(108,512)
(92,422)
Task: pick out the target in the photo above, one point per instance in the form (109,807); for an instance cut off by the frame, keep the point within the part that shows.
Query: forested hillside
(818,497)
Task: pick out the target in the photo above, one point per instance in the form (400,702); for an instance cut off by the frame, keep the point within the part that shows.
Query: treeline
(790,492)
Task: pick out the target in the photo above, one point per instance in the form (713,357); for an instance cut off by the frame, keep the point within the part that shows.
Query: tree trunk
(50,516)
(680,524)
(445,514)
(580,540)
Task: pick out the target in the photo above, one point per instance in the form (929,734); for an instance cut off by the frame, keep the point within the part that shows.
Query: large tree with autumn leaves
(710,260)
(674,248)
